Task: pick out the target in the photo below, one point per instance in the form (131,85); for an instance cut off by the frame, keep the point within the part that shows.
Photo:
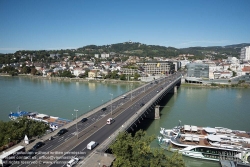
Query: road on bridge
(61,149)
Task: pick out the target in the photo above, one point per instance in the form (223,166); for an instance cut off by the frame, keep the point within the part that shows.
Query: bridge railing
(104,146)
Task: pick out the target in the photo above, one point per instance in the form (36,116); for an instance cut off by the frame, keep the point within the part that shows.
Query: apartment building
(158,68)
(245,53)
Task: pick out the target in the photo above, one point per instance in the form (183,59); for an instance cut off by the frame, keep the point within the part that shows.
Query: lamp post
(76,123)
(131,92)
(111,102)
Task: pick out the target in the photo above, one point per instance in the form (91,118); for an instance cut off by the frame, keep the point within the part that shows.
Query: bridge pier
(174,90)
(157,112)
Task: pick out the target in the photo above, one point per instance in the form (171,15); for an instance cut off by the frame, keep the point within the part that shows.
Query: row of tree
(136,152)
(13,131)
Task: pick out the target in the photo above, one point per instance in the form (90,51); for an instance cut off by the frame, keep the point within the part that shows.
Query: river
(55,98)
(224,107)
(221,107)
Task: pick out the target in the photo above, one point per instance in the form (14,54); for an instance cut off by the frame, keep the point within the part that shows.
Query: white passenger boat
(207,143)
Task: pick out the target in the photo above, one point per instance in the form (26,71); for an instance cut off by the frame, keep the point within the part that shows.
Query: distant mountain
(139,49)
(142,50)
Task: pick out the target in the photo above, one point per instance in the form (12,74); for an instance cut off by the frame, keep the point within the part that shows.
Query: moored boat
(54,122)
(207,143)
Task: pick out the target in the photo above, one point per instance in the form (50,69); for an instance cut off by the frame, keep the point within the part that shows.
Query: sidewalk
(97,160)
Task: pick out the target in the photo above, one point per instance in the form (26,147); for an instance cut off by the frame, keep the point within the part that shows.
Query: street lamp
(131,92)
(111,102)
(76,123)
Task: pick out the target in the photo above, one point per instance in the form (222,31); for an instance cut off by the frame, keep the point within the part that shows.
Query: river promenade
(66,79)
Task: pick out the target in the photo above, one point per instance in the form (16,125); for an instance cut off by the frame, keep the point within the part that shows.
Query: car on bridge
(38,145)
(61,132)
(84,120)
(72,162)
(104,109)
(110,121)
(92,145)
(142,104)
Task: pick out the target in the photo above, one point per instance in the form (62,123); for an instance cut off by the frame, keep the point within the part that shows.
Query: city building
(158,68)
(245,53)
(104,55)
(96,55)
(198,70)
(94,74)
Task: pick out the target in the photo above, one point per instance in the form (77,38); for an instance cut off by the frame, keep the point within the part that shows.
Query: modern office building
(198,70)
(245,53)
(157,68)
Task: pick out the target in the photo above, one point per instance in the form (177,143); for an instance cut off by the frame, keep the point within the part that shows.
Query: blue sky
(61,24)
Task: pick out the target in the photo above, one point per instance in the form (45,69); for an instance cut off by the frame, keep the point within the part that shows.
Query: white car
(72,162)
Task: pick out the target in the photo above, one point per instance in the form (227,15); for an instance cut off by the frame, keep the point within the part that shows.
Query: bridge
(128,112)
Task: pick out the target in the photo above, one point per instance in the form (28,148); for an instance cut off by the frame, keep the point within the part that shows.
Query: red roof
(246,68)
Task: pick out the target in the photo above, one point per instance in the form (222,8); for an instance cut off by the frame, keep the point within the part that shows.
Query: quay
(227,163)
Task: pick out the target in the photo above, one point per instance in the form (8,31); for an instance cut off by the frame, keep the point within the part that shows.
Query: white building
(184,63)
(245,53)
(78,71)
(104,55)
(97,56)
(233,60)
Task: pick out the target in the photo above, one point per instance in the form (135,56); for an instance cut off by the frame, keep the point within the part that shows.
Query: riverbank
(66,79)
(242,85)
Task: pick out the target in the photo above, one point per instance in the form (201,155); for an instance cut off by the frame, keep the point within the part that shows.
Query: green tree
(17,129)
(123,77)
(26,69)
(136,152)
(234,73)
(33,71)
(136,76)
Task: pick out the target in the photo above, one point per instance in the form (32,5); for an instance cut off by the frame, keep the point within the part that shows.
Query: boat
(54,122)
(207,143)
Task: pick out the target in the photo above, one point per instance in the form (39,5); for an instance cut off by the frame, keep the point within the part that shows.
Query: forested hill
(139,49)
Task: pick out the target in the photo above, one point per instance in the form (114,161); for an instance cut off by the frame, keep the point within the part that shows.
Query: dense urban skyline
(48,25)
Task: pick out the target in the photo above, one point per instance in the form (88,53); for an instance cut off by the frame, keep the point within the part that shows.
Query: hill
(139,49)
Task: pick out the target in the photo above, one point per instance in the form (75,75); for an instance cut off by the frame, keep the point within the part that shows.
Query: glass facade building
(197,70)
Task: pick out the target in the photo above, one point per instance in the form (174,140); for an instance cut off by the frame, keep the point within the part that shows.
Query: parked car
(84,120)
(38,145)
(72,162)
(62,131)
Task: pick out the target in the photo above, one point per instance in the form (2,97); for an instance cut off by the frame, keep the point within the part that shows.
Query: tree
(123,77)
(234,73)
(33,71)
(136,152)
(17,129)
(136,76)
